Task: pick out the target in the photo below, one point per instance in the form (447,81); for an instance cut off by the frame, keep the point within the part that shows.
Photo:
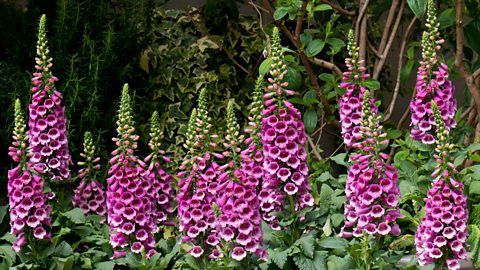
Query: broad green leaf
(322,7)
(105,265)
(305,39)
(339,263)
(320,260)
(75,215)
(333,243)
(327,77)
(310,119)
(340,159)
(472,32)
(304,263)
(372,84)
(294,78)
(315,47)
(307,244)
(63,250)
(474,241)
(337,219)
(474,187)
(280,13)
(279,258)
(8,253)
(337,44)
(63,263)
(394,133)
(327,227)
(418,7)
(447,18)
(265,66)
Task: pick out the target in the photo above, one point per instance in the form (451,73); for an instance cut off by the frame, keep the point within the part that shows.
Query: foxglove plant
(48,131)
(351,102)
(29,211)
(131,196)
(285,165)
(89,195)
(442,234)
(371,189)
(155,171)
(432,85)
(197,210)
(239,222)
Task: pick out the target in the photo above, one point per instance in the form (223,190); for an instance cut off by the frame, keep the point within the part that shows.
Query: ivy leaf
(280,13)
(310,119)
(75,215)
(417,7)
(315,47)
(307,244)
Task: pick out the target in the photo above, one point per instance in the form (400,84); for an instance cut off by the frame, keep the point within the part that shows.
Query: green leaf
(333,243)
(265,66)
(8,253)
(75,215)
(472,32)
(327,228)
(63,263)
(304,263)
(340,159)
(305,39)
(394,133)
(337,219)
(327,77)
(280,13)
(63,250)
(337,44)
(417,7)
(474,241)
(105,265)
(474,187)
(338,263)
(322,7)
(294,78)
(279,258)
(372,84)
(310,119)
(315,47)
(306,244)
(447,18)
(310,97)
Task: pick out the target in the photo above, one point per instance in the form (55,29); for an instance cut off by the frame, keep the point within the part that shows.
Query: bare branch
(476,74)
(326,64)
(388,24)
(300,18)
(339,8)
(314,148)
(372,48)
(359,18)
(381,62)
(401,59)
(361,30)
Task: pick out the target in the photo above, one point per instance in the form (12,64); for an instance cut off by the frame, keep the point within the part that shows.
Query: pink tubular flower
(89,195)
(432,85)
(351,101)
(29,211)
(442,233)
(158,175)
(283,138)
(131,196)
(48,129)
(371,189)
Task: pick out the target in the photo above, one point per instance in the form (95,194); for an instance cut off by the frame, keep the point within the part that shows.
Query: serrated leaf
(75,215)
(474,241)
(265,66)
(338,263)
(306,244)
(63,250)
(279,258)
(310,120)
(304,263)
(417,7)
(315,47)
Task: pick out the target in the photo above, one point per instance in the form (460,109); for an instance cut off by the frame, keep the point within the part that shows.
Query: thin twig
(401,59)
(325,64)
(339,8)
(372,48)
(300,18)
(476,74)
(314,148)
(407,112)
(381,62)
(336,150)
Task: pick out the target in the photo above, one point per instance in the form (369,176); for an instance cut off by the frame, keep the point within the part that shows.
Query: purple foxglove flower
(442,233)
(351,102)
(432,85)
(89,194)
(283,138)
(131,195)
(29,211)
(48,133)
(159,176)
(371,189)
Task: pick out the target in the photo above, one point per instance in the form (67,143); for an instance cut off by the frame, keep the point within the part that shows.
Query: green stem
(366,252)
